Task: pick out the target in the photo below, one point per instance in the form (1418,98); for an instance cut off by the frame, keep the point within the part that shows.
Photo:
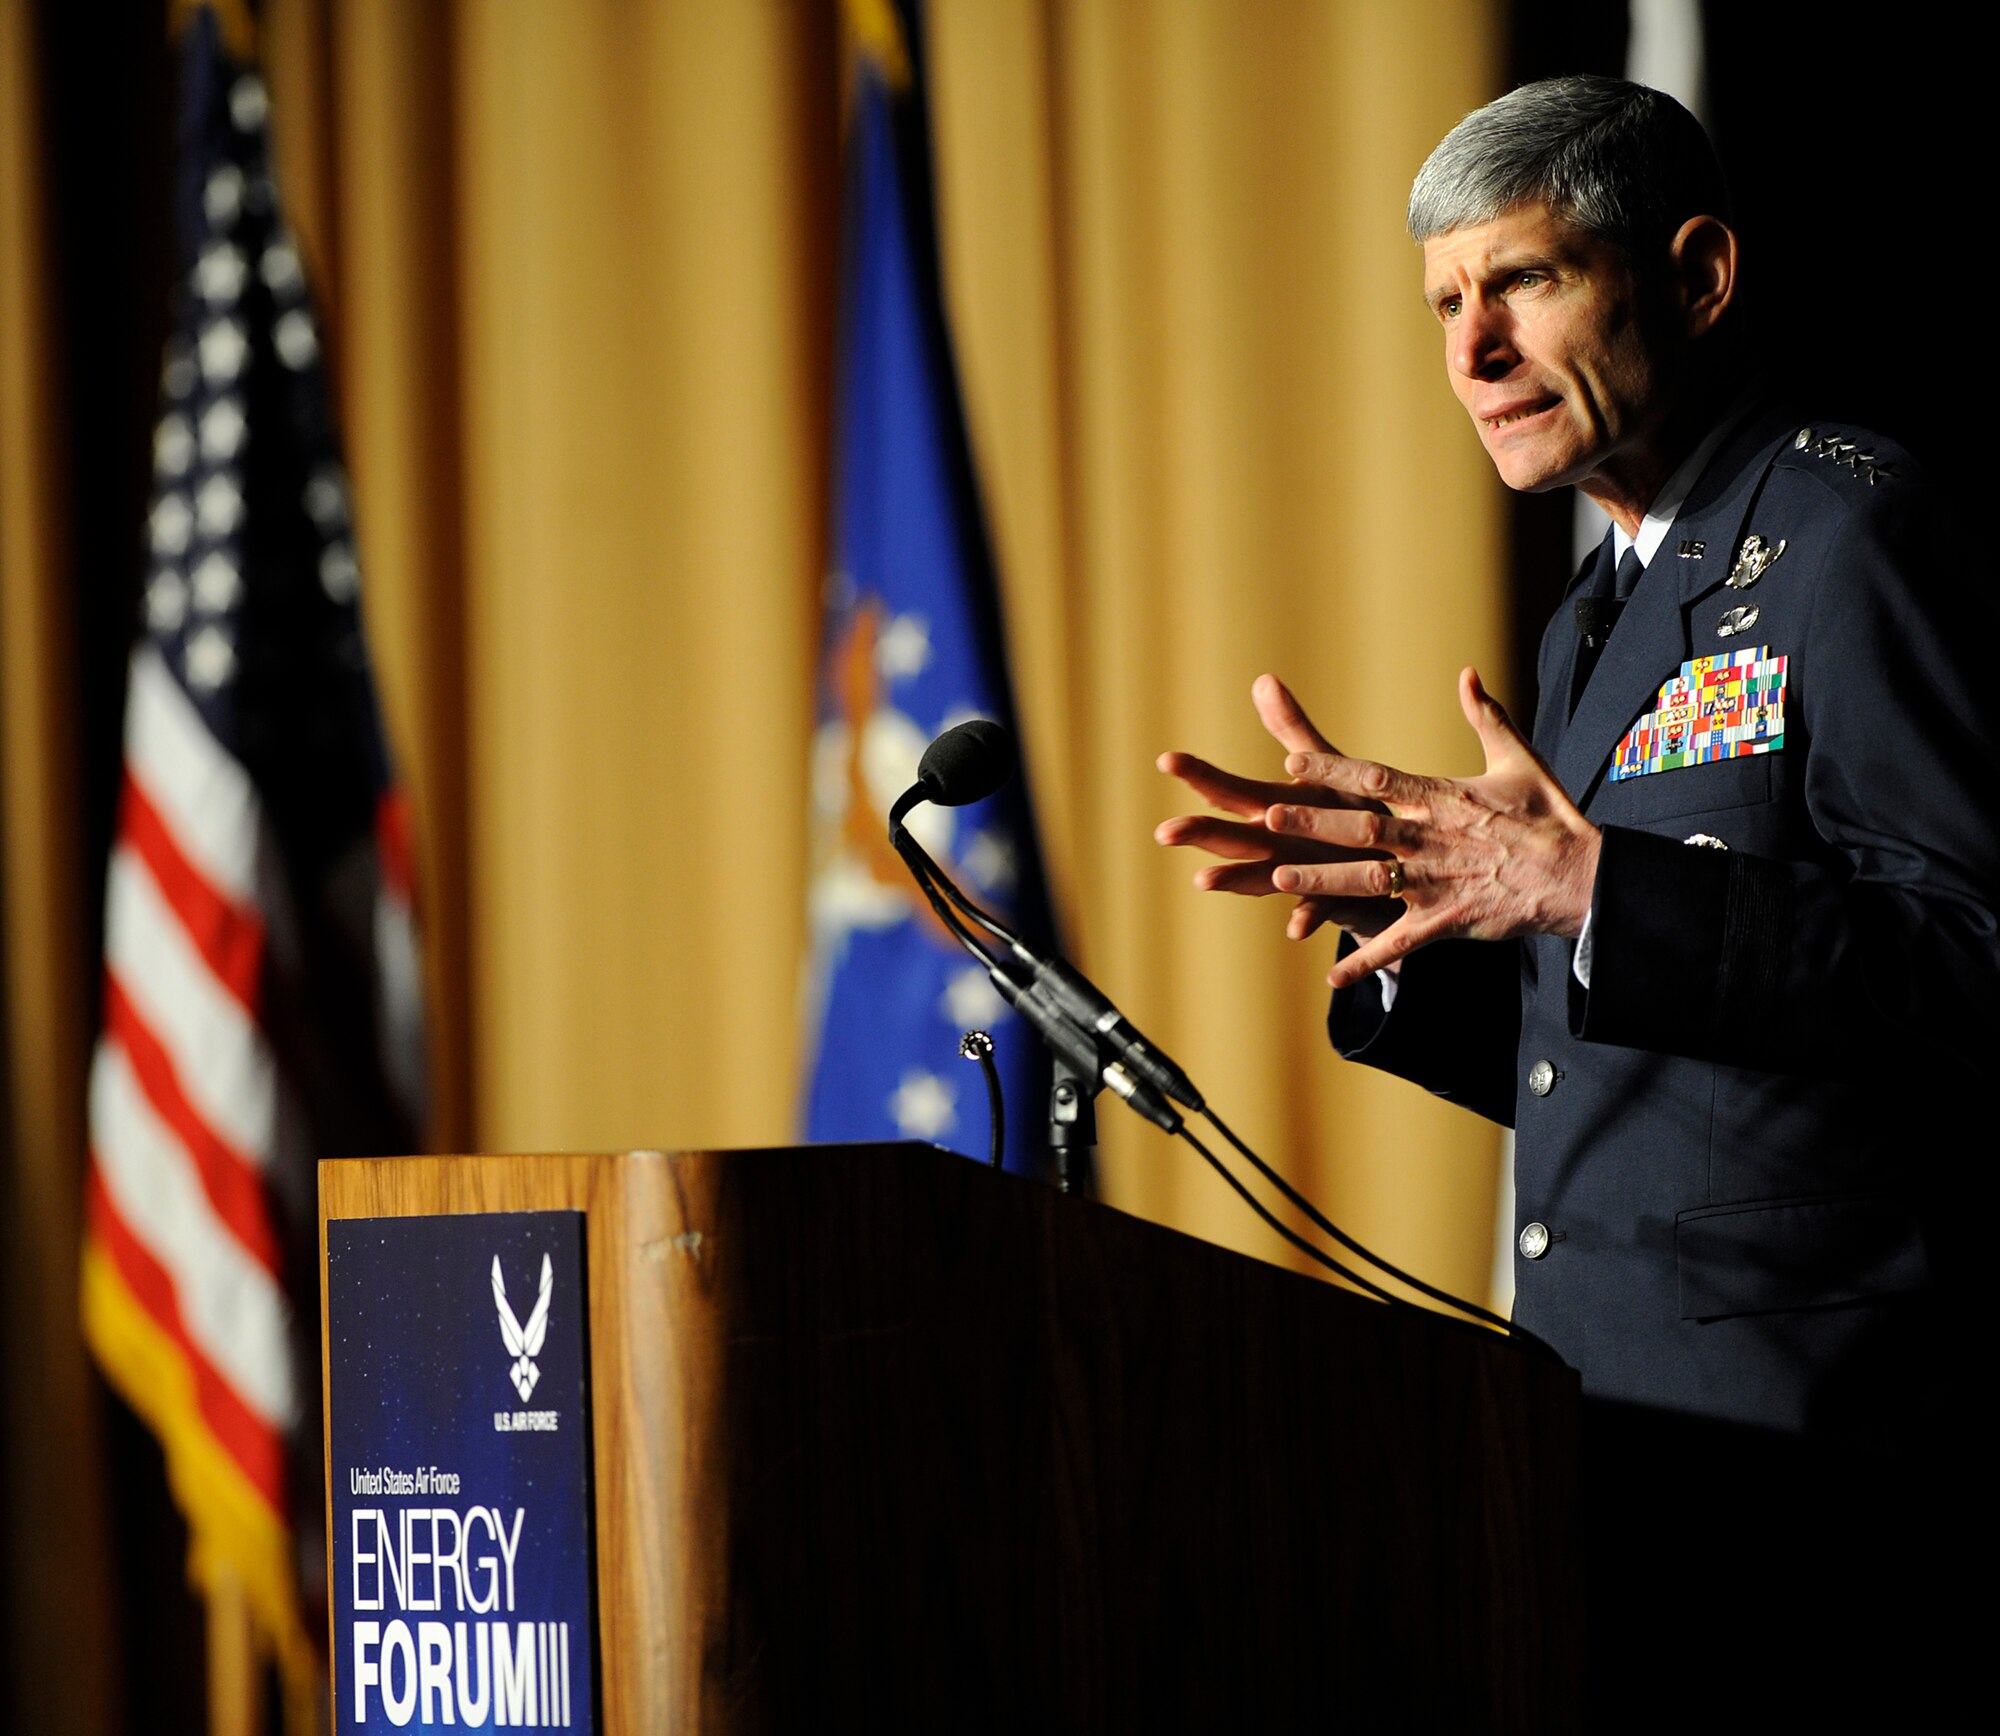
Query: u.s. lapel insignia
(1691,549)
(1752,560)
(1716,708)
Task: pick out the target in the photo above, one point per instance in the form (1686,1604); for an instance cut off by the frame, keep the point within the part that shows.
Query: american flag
(261,1007)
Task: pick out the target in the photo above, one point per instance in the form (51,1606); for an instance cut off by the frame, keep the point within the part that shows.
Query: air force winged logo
(524,1343)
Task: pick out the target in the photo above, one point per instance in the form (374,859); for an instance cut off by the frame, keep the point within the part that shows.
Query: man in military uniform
(1717,981)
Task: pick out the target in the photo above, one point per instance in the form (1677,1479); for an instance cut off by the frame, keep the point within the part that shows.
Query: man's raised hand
(1252,852)
(1503,854)
(1399,859)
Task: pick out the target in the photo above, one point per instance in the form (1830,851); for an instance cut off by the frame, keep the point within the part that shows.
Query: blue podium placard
(458,1399)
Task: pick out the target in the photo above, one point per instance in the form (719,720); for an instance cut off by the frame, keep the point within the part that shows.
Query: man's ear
(1703,252)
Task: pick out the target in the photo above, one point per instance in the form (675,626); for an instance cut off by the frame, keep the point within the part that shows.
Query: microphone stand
(1078,1074)
(1072,1120)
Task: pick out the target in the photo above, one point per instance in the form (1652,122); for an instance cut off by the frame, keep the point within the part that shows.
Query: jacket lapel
(1552,707)
(1651,639)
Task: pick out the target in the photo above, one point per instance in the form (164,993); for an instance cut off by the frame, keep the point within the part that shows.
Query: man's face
(1548,351)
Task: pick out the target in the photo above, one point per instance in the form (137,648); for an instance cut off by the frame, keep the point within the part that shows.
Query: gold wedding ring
(1395,878)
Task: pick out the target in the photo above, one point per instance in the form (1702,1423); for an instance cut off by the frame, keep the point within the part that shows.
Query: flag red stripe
(392,843)
(229,936)
(234,1187)
(259,1451)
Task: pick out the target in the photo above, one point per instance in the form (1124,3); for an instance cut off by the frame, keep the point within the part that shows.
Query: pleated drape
(1212,418)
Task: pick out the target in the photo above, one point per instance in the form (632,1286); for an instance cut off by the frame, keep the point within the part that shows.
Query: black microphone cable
(1291,1235)
(922,869)
(913,854)
(1328,1227)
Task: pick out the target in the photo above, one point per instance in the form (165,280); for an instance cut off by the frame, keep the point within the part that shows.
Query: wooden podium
(886,1440)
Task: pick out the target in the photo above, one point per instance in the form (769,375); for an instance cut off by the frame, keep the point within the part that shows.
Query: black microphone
(966,764)
(1595,617)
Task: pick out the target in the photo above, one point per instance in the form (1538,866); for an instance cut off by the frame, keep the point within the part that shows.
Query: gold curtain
(578,262)
(1216,440)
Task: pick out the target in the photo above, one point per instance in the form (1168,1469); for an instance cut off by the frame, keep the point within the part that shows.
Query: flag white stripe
(232,1307)
(399,1003)
(216,1048)
(205,797)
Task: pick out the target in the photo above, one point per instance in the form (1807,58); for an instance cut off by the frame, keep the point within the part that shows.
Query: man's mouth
(1513,413)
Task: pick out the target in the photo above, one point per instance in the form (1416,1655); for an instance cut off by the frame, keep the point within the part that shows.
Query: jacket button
(1534,1240)
(1542,1078)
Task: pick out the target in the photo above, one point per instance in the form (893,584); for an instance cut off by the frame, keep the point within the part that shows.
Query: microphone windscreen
(1596,616)
(966,764)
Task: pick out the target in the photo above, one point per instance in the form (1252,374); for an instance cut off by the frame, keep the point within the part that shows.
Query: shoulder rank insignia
(1716,708)
(1751,561)
(1845,452)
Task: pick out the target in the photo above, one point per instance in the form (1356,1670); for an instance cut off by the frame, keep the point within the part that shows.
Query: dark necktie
(1626,579)
(1597,613)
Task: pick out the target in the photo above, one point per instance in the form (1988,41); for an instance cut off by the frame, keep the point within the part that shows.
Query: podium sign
(459,1427)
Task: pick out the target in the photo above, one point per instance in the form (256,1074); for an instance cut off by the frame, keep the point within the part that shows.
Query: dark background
(1845,137)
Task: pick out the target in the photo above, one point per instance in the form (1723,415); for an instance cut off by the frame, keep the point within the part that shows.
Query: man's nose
(1482,341)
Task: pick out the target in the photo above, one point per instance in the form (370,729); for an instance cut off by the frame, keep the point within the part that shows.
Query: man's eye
(1528,279)
(1448,308)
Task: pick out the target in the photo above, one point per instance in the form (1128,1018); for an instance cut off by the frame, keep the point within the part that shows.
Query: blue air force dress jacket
(1740,1138)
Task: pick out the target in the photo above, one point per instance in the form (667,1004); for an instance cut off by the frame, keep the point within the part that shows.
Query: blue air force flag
(911,646)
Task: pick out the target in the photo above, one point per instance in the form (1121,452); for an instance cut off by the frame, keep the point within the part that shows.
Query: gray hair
(1624,162)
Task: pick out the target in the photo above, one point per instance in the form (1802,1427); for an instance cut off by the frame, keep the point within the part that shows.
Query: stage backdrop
(579,262)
